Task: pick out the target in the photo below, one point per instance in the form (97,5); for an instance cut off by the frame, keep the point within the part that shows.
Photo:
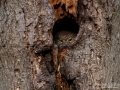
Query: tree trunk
(31,57)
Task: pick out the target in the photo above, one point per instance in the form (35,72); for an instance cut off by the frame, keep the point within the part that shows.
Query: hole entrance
(65,31)
(65,24)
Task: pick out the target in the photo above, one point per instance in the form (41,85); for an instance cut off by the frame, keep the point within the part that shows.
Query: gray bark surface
(28,55)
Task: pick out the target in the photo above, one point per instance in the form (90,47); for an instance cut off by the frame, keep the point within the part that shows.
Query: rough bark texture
(30,60)
(15,72)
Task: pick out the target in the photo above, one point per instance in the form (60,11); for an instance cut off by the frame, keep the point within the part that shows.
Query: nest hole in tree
(68,24)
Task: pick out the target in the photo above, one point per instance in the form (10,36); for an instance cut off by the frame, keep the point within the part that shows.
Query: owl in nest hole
(64,38)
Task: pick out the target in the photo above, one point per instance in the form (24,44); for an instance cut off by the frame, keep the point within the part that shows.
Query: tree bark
(30,60)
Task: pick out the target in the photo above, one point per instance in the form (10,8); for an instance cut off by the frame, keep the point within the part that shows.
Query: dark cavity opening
(63,7)
(57,6)
(65,24)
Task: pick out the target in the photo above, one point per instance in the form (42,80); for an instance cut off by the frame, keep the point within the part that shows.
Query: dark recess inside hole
(65,24)
(63,7)
(57,6)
